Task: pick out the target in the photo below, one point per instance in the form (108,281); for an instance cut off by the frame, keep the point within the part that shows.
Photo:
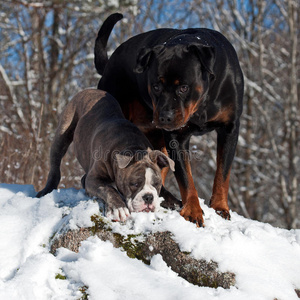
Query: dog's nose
(148,198)
(166,117)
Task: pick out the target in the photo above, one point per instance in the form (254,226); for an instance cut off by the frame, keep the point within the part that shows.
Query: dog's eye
(156,184)
(135,184)
(156,88)
(183,89)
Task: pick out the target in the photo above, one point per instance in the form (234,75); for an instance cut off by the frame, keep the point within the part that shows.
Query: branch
(11,95)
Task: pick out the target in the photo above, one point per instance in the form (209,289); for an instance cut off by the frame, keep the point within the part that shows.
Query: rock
(144,247)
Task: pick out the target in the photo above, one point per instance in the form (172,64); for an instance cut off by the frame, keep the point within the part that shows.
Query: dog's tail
(100,50)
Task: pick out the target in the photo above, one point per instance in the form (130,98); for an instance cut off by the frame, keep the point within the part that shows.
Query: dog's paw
(224,214)
(118,214)
(221,208)
(193,214)
(170,201)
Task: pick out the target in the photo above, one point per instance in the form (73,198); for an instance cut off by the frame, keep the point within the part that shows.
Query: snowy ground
(266,260)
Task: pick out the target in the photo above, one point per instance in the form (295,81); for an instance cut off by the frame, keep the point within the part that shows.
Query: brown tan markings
(194,105)
(138,115)
(219,199)
(191,210)
(199,89)
(190,110)
(223,116)
(164,171)
(162,79)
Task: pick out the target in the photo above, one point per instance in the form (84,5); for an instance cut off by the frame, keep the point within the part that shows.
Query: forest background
(47,56)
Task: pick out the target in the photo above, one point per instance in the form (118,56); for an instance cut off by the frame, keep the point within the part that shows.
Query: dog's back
(94,121)
(102,129)
(80,105)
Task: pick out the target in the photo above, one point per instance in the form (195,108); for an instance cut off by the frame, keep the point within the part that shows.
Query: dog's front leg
(116,208)
(178,150)
(170,201)
(226,145)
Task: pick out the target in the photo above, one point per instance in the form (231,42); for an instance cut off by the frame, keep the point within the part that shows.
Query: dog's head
(178,80)
(139,178)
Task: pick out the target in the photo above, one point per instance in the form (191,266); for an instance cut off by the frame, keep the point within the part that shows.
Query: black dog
(174,84)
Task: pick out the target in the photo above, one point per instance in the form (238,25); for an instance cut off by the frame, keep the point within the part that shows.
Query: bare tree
(47,56)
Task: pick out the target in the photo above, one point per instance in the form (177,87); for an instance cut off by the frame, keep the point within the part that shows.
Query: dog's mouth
(142,207)
(176,124)
(172,127)
(147,209)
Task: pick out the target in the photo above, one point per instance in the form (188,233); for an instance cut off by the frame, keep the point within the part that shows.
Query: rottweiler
(174,84)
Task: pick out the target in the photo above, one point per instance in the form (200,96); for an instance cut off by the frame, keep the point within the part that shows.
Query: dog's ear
(123,160)
(162,160)
(145,56)
(206,55)
(143,59)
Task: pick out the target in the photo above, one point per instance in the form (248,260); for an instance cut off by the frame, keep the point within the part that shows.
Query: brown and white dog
(120,166)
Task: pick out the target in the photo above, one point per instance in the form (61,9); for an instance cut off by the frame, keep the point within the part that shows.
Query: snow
(266,260)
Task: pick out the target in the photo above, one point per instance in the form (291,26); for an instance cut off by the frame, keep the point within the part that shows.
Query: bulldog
(120,166)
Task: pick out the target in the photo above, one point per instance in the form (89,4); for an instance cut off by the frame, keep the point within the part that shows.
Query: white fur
(138,204)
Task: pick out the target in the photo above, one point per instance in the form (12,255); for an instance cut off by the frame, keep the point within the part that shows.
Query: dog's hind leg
(63,138)
(83,178)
